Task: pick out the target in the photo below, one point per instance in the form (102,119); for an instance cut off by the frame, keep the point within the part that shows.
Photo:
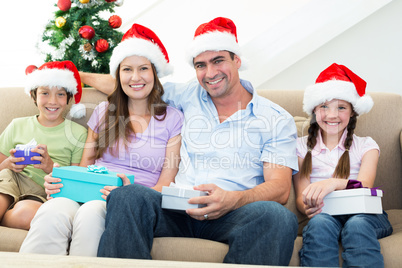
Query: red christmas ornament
(101,45)
(64,5)
(30,69)
(114,21)
(87,32)
(110,1)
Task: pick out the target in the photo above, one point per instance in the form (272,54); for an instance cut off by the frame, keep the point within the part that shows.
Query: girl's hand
(52,185)
(314,193)
(107,189)
(10,162)
(46,163)
(312,211)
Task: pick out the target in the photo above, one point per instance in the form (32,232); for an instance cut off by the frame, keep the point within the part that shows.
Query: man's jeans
(358,234)
(258,233)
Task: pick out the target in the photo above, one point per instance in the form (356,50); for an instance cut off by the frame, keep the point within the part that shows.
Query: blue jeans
(358,233)
(258,233)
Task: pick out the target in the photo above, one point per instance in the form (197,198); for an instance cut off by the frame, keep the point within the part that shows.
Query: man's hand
(46,163)
(219,202)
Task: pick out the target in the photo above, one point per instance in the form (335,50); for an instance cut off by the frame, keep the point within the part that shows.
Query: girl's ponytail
(307,165)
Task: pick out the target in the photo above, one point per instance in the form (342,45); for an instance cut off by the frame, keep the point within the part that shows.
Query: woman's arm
(102,82)
(88,155)
(171,163)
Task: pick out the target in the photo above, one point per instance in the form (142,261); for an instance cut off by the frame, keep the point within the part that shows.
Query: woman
(134,132)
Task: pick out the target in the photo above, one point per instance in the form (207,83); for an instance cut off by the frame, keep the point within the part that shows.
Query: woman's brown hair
(342,170)
(115,124)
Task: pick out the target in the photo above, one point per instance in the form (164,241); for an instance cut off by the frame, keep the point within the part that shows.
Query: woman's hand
(107,189)
(52,185)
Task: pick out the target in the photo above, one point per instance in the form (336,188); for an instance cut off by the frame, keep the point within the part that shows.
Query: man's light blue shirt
(230,154)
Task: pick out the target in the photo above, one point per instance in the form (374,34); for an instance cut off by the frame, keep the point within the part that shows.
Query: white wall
(372,49)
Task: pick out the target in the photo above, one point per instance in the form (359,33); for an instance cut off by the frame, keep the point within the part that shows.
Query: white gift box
(353,201)
(176,198)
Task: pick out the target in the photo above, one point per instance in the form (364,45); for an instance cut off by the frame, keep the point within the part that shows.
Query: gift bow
(27,147)
(354,184)
(97,169)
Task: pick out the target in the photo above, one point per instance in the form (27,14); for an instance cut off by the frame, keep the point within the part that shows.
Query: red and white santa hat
(141,41)
(61,74)
(338,82)
(217,35)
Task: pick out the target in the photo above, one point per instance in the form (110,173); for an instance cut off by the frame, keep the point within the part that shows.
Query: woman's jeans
(357,233)
(258,233)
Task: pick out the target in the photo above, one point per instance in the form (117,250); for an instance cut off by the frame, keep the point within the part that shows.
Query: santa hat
(141,41)
(217,35)
(61,74)
(338,82)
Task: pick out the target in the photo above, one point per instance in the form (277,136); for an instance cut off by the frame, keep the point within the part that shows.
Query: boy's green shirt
(65,142)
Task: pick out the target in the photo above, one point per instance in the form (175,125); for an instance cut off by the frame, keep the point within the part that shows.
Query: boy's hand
(52,185)
(46,163)
(11,161)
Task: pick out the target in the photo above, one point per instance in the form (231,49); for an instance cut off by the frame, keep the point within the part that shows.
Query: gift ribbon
(97,169)
(355,184)
(182,192)
(27,147)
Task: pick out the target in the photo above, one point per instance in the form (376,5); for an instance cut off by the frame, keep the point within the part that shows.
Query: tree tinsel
(65,43)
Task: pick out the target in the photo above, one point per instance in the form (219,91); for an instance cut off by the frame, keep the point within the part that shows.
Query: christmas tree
(78,33)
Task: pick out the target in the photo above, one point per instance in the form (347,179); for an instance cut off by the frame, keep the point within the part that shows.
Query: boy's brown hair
(34,96)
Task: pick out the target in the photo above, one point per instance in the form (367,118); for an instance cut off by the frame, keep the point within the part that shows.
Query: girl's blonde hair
(342,170)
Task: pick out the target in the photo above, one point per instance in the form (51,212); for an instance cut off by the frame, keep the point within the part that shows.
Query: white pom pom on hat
(338,82)
(61,74)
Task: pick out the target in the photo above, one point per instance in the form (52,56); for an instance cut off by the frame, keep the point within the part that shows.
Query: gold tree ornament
(60,22)
(87,47)
(84,1)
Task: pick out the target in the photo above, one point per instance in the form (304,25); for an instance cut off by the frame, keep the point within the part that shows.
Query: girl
(328,157)
(134,132)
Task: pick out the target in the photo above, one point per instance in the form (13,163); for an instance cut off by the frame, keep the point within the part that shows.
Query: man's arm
(102,82)
(219,202)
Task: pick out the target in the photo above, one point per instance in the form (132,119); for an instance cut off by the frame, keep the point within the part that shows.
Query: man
(237,146)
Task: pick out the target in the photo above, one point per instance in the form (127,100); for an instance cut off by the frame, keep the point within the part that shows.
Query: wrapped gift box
(353,201)
(27,154)
(176,198)
(81,185)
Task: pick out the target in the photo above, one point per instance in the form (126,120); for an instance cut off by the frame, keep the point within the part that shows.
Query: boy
(60,140)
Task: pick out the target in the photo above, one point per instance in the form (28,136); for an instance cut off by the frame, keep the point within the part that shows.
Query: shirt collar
(320,146)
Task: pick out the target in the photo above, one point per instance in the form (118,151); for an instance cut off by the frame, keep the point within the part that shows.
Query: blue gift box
(27,154)
(81,185)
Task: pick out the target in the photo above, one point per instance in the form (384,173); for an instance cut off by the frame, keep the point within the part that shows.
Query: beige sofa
(383,124)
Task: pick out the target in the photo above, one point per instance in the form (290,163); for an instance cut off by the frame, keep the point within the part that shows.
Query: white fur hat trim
(336,89)
(140,47)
